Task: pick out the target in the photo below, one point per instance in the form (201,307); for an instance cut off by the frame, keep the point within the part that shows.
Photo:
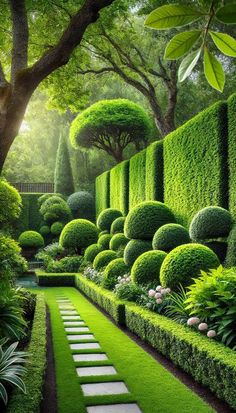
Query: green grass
(148,382)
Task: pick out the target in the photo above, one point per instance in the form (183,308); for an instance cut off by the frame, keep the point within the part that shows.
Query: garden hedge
(30,217)
(195,164)
(55,279)
(154,172)
(137,178)
(119,187)
(232,153)
(102,188)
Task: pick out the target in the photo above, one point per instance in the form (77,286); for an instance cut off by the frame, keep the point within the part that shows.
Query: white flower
(158,300)
(159,287)
(192,321)
(119,278)
(168,290)
(117,285)
(149,305)
(151,293)
(158,295)
(211,333)
(202,327)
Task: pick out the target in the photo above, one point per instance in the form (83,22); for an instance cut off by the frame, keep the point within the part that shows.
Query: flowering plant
(91,274)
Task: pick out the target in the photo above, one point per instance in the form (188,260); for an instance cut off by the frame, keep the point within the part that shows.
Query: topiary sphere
(82,205)
(118,241)
(78,234)
(44,197)
(104,241)
(170,236)
(10,203)
(106,218)
(31,239)
(134,249)
(117,226)
(91,252)
(102,233)
(52,200)
(103,258)
(185,263)
(211,222)
(116,268)
(58,212)
(144,219)
(44,230)
(57,227)
(146,269)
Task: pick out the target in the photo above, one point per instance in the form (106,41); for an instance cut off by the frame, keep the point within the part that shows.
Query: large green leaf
(213,71)
(225,43)
(181,44)
(187,65)
(168,16)
(227,14)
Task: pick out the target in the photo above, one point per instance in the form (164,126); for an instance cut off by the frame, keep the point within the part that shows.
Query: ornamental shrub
(63,176)
(91,252)
(66,264)
(104,241)
(144,219)
(102,233)
(170,236)
(9,255)
(57,227)
(31,239)
(118,241)
(134,249)
(129,292)
(117,226)
(185,263)
(52,200)
(103,258)
(82,205)
(45,197)
(116,268)
(106,218)
(78,234)
(10,203)
(211,222)
(44,230)
(146,269)
(58,212)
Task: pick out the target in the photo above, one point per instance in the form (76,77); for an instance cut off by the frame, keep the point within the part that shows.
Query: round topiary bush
(144,219)
(146,269)
(103,258)
(170,236)
(57,227)
(78,234)
(106,218)
(57,212)
(31,239)
(104,241)
(91,252)
(10,203)
(118,241)
(211,222)
(103,233)
(117,226)
(116,268)
(44,197)
(185,263)
(82,205)
(134,249)
(44,230)
(52,200)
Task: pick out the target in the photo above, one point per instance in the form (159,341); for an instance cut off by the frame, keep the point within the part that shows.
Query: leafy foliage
(116,268)
(63,178)
(146,269)
(106,218)
(82,205)
(12,323)
(10,203)
(118,225)
(134,249)
(91,252)
(211,222)
(78,234)
(170,236)
(65,265)
(103,258)
(31,239)
(117,241)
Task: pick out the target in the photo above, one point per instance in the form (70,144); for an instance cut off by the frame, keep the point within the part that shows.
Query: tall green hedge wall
(137,178)
(232,152)
(30,217)
(119,187)
(102,192)
(154,172)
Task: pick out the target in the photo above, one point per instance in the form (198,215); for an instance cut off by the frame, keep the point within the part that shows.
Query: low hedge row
(34,378)
(55,279)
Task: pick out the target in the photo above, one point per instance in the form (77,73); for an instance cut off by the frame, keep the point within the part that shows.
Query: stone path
(77,332)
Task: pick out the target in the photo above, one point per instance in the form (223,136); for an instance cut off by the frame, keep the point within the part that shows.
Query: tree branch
(95,71)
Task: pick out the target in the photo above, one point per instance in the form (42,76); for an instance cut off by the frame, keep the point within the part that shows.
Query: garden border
(46,279)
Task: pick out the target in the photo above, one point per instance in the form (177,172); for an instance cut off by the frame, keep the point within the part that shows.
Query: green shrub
(185,263)
(78,234)
(146,269)
(103,258)
(129,292)
(91,252)
(104,241)
(118,225)
(102,233)
(45,230)
(134,249)
(231,164)
(116,268)
(106,218)
(63,177)
(58,212)
(45,197)
(209,223)
(10,203)
(66,264)
(231,251)
(137,179)
(144,220)
(57,227)
(82,205)
(55,279)
(52,200)
(154,172)
(12,323)
(31,239)
(102,192)
(119,187)
(30,217)
(170,236)
(9,256)
(118,241)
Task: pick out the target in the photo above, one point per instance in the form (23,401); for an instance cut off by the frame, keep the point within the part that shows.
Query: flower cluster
(123,280)
(158,294)
(155,300)
(195,321)
(91,274)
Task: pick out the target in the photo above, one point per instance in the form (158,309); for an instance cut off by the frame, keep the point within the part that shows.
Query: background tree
(111,125)
(63,173)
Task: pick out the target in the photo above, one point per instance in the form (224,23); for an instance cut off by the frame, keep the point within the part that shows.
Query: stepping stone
(71,317)
(76,329)
(84,346)
(68,312)
(102,389)
(79,337)
(115,408)
(66,307)
(73,323)
(63,300)
(96,371)
(90,357)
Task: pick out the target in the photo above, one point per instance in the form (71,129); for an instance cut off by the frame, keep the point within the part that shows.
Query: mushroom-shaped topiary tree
(78,234)
(111,125)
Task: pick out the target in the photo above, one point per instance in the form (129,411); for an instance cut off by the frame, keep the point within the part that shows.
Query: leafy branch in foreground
(208,11)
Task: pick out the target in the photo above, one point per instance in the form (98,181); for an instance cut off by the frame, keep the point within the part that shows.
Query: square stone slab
(63,301)
(70,317)
(84,346)
(102,389)
(90,357)
(115,408)
(96,371)
(76,329)
(79,337)
(73,323)
(68,312)
(66,307)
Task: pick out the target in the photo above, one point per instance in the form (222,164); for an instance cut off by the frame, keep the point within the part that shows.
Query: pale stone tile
(106,388)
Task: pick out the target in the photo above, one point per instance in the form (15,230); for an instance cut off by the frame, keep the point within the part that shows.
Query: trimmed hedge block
(119,187)
(55,279)
(232,152)
(30,217)
(102,188)
(137,179)
(154,172)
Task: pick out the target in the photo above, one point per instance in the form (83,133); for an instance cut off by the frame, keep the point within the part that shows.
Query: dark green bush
(134,249)
(137,179)
(45,230)
(119,188)
(63,177)
(118,241)
(129,292)
(103,258)
(184,263)
(144,219)
(91,252)
(209,223)
(102,192)
(66,264)
(154,172)
(55,279)
(78,234)
(45,197)
(104,241)
(31,239)
(116,268)
(10,203)
(118,225)
(231,251)
(82,205)
(57,212)
(57,227)
(106,218)
(170,236)
(146,269)
(52,200)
